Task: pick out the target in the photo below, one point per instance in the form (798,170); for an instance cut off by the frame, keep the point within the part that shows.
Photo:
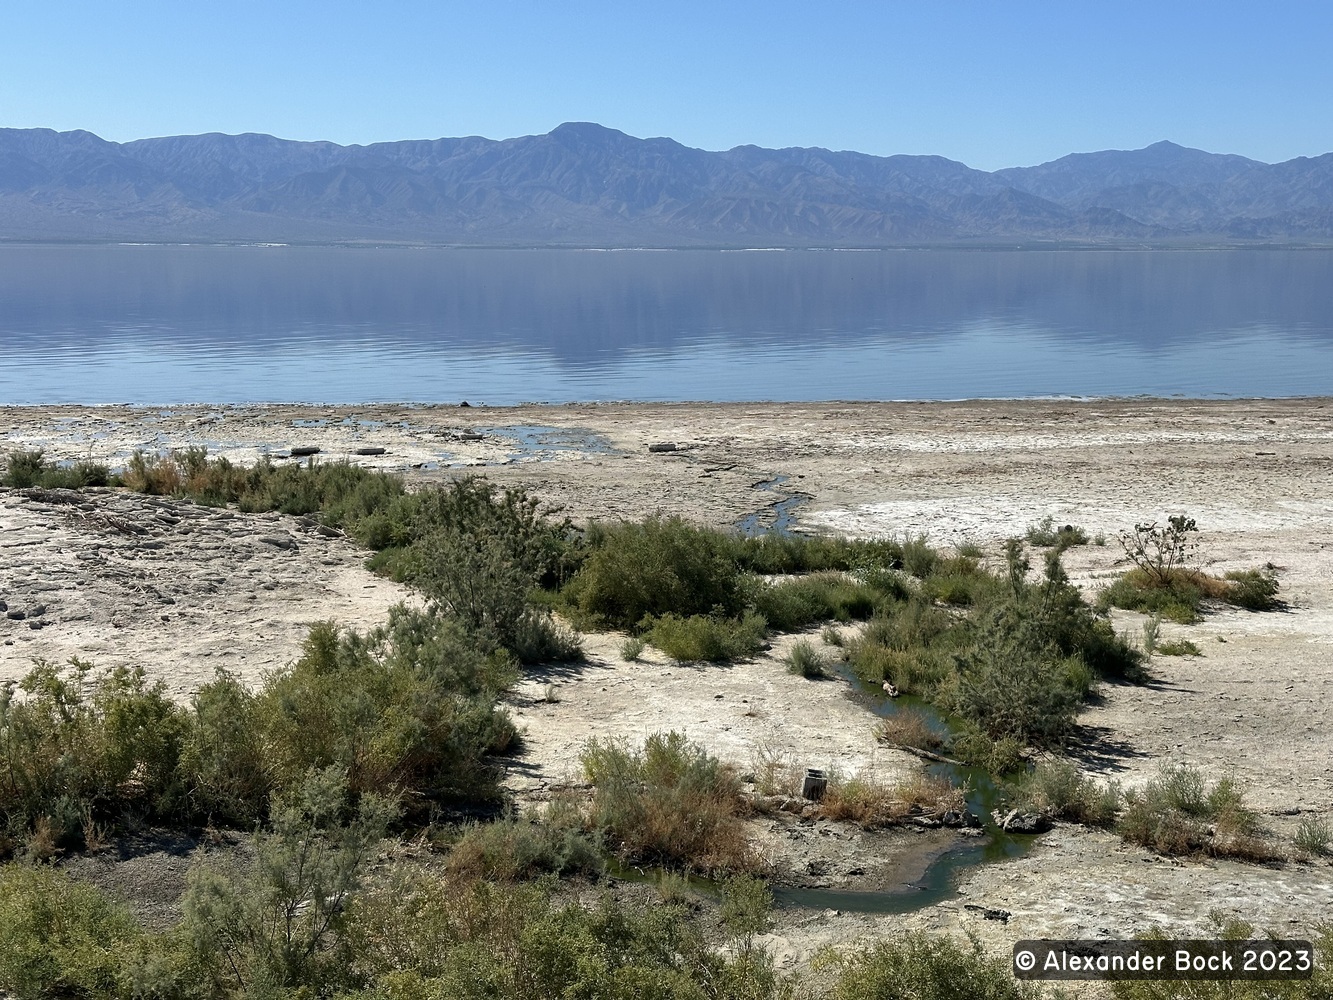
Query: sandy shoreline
(197,590)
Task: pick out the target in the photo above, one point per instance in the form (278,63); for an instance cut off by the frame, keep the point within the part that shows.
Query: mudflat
(118,578)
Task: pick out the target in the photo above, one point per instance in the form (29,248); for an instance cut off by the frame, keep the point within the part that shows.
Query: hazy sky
(993,84)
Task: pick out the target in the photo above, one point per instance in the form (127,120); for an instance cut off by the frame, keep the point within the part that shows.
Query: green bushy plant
(1056,788)
(61,937)
(804,660)
(711,638)
(920,965)
(652,568)
(669,803)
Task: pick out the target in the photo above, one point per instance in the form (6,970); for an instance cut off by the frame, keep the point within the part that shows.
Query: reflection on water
(161,324)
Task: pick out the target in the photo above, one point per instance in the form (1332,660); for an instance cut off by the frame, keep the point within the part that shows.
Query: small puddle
(781,511)
(543,442)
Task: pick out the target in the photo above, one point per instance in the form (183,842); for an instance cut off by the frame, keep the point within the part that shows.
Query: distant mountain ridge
(586,185)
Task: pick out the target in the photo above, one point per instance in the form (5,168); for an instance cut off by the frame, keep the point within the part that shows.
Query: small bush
(653,568)
(670,803)
(1057,789)
(910,728)
(712,638)
(511,849)
(1046,535)
(1314,836)
(60,937)
(998,756)
(922,965)
(1253,589)
(1178,813)
(1015,682)
(805,661)
(631,649)
(798,603)
(1176,600)
(1179,647)
(24,468)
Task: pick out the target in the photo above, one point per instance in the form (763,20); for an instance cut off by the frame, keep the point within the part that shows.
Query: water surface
(162,324)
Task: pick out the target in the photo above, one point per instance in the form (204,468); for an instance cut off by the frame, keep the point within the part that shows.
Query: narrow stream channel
(942,874)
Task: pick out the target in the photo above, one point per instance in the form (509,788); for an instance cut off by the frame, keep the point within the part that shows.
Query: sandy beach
(192,589)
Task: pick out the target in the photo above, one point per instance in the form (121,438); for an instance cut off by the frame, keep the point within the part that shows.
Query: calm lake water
(164,324)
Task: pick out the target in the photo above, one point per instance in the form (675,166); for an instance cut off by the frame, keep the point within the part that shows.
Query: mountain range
(586,185)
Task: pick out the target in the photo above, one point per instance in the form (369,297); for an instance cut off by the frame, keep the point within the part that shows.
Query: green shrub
(1056,788)
(804,660)
(1177,601)
(1314,836)
(746,904)
(223,760)
(670,803)
(1046,535)
(772,554)
(1254,589)
(1015,682)
(411,707)
(798,603)
(998,756)
(1179,647)
(632,648)
(656,567)
(918,559)
(281,924)
(69,757)
(24,468)
(60,937)
(920,965)
(712,638)
(512,849)
(1178,813)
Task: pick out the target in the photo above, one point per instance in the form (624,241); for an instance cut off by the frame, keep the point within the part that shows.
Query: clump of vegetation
(924,965)
(1317,987)
(871,803)
(635,571)
(910,728)
(1177,812)
(804,660)
(1179,647)
(670,803)
(25,469)
(1162,584)
(632,648)
(1056,789)
(512,850)
(1253,589)
(408,709)
(1314,836)
(800,602)
(477,553)
(712,638)
(1045,534)
(60,937)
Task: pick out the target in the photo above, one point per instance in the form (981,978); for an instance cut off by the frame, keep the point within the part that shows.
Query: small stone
(15,616)
(302,450)
(663,446)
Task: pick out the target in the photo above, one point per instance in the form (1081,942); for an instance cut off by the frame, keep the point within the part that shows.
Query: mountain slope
(583,184)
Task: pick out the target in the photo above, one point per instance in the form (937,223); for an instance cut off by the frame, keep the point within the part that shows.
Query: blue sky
(992,84)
